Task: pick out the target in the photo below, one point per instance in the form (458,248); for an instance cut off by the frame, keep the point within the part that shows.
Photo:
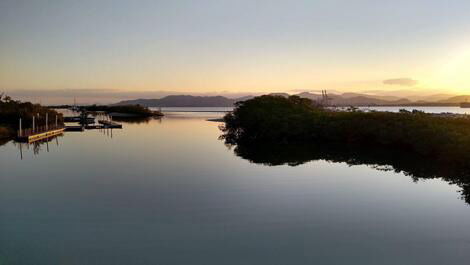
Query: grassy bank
(12,110)
(132,110)
(278,120)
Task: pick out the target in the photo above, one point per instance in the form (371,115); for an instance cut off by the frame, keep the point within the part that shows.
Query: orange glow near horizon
(234,47)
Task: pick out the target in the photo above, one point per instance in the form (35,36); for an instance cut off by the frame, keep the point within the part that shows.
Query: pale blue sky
(235,46)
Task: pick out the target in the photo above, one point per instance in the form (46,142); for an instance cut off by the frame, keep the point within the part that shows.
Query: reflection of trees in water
(410,164)
(136,120)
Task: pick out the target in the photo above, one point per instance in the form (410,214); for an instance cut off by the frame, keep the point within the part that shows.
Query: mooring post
(34,124)
(56,124)
(21,127)
(47,120)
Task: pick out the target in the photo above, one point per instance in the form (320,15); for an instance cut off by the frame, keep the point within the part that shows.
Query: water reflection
(157,190)
(415,166)
(43,145)
(136,120)
(37,146)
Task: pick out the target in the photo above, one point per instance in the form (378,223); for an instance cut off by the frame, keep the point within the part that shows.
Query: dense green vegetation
(277,130)
(135,110)
(279,120)
(12,110)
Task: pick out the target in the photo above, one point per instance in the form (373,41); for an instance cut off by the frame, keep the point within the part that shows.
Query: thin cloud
(401,82)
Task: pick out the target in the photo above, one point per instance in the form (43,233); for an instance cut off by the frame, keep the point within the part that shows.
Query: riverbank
(276,120)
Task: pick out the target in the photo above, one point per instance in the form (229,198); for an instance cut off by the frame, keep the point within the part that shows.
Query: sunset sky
(240,46)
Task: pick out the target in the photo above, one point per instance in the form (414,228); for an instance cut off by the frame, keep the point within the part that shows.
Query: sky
(149,48)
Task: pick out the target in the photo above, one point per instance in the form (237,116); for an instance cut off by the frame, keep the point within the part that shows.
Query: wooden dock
(37,133)
(74,128)
(104,125)
(79,119)
(110,124)
(36,136)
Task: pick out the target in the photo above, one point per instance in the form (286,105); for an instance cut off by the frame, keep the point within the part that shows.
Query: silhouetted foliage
(269,118)
(136,110)
(279,120)
(12,110)
(277,130)
(135,120)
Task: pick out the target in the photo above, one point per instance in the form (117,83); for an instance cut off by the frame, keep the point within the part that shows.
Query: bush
(276,130)
(11,111)
(136,110)
(279,120)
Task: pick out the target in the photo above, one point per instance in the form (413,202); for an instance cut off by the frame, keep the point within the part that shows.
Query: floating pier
(79,119)
(110,124)
(37,133)
(103,124)
(74,128)
(29,136)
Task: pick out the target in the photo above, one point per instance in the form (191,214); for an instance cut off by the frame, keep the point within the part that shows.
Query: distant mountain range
(183,101)
(345,99)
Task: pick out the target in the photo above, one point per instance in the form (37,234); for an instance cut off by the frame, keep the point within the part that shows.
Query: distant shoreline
(353,105)
(408,105)
(340,100)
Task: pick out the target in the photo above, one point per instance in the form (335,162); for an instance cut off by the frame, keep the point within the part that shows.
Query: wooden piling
(21,127)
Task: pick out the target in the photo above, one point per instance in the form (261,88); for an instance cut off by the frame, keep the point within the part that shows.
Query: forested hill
(182,101)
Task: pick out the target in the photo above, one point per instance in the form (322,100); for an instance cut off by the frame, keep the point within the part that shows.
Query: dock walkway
(110,124)
(29,135)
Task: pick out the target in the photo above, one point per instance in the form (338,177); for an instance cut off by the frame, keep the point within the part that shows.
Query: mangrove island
(293,120)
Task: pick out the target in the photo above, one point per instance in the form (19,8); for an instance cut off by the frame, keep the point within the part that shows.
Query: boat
(79,119)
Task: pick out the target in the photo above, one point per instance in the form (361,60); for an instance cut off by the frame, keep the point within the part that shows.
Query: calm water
(170,192)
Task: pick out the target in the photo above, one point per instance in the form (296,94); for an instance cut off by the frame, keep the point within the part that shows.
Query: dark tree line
(280,120)
(12,110)
(276,130)
(137,110)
